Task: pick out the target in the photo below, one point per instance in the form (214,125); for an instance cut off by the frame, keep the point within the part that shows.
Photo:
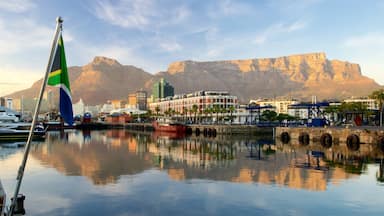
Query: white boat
(20,132)
(7,115)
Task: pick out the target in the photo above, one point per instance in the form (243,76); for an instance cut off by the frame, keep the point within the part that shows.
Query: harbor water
(120,172)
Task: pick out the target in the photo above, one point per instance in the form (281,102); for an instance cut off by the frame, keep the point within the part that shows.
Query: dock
(352,137)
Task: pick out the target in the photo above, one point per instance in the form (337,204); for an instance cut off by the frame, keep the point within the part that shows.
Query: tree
(194,110)
(216,109)
(269,115)
(231,109)
(378,95)
(157,110)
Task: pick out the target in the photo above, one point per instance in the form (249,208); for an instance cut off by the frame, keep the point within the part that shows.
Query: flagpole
(20,173)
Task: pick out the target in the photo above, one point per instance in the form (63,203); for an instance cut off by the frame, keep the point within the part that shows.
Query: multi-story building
(141,97)
(162,89)
(138,100)
(202,100)
(280,105)
(371,104)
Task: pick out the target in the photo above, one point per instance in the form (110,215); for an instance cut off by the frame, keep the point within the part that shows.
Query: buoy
(304,138)
(326,140)
(353,142)
(284,137)
(197,131)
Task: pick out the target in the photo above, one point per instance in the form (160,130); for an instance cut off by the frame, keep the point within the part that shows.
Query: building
(371,104)
(138,100)
(141,98)
(280,105)
(202,100)
(162,89)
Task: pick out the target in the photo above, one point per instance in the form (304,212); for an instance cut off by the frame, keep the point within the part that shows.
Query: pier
(352,137)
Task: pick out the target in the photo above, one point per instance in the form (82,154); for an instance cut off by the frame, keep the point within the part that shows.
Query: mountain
(101,80)
(298,76)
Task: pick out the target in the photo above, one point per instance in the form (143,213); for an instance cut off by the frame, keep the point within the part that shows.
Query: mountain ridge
(299,76)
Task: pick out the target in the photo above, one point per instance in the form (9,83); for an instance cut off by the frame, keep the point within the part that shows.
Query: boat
(169,125)
(20,132)
(7,115)
(2,199)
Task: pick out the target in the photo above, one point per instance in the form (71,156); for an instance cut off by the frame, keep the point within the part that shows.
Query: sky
(151,34)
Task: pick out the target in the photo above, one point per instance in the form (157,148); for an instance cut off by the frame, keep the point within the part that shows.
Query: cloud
(17,6)
(368,40)
(140,14)
(170,46)
(22,34)
(222,8)
(278,28)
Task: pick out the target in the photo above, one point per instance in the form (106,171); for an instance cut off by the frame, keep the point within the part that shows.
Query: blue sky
(151,34)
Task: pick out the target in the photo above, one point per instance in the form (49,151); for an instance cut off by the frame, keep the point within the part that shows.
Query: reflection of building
(109,154)
(162,89)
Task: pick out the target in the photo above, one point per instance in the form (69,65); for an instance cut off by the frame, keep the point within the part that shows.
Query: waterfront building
(305,111)
(138,100)
(162,89)
(78,108)
(117,104)
(280,104)
(141,98)
(2,101)
(202,101)
(371,104)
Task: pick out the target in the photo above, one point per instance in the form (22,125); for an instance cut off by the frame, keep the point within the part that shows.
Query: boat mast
(20,173)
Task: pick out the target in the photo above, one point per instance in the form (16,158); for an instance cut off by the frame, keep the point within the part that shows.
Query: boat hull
(170,128)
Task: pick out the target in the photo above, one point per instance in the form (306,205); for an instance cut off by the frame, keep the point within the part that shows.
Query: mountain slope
(298,76)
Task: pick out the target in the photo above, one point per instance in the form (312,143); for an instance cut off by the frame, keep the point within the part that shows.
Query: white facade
(281,105)
(204,100)
(78,108)
(370,103)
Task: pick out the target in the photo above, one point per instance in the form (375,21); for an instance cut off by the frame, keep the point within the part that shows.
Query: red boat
(169,126)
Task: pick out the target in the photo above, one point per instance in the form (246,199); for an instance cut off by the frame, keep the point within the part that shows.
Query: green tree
(378,95)
(231,109)
(157,110)
(269,115)
(194,110)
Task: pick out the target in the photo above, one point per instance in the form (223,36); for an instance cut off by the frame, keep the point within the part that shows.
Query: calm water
(117,172)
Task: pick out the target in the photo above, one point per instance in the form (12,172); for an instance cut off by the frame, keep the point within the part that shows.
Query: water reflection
(104,156)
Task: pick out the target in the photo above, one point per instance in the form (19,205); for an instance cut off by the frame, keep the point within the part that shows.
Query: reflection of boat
(2,199)
(56,125)
(12,145)
(169,135)
(20,131)
(169,125)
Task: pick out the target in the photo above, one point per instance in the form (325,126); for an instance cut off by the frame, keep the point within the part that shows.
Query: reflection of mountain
(103,160)
(199,160)
(105,155)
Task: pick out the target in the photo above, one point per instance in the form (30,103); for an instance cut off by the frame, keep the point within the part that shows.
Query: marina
(128,172)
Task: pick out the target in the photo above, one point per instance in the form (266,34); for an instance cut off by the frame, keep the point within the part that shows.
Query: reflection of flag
(58,76)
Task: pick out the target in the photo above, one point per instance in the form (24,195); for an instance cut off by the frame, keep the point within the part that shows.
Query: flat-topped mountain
(298,76)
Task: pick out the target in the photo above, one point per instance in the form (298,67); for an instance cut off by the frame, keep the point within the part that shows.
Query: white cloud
(140,14)
(170,46)
(276,29)
(17,6)
(23,34)
(368,40)
(229,8)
